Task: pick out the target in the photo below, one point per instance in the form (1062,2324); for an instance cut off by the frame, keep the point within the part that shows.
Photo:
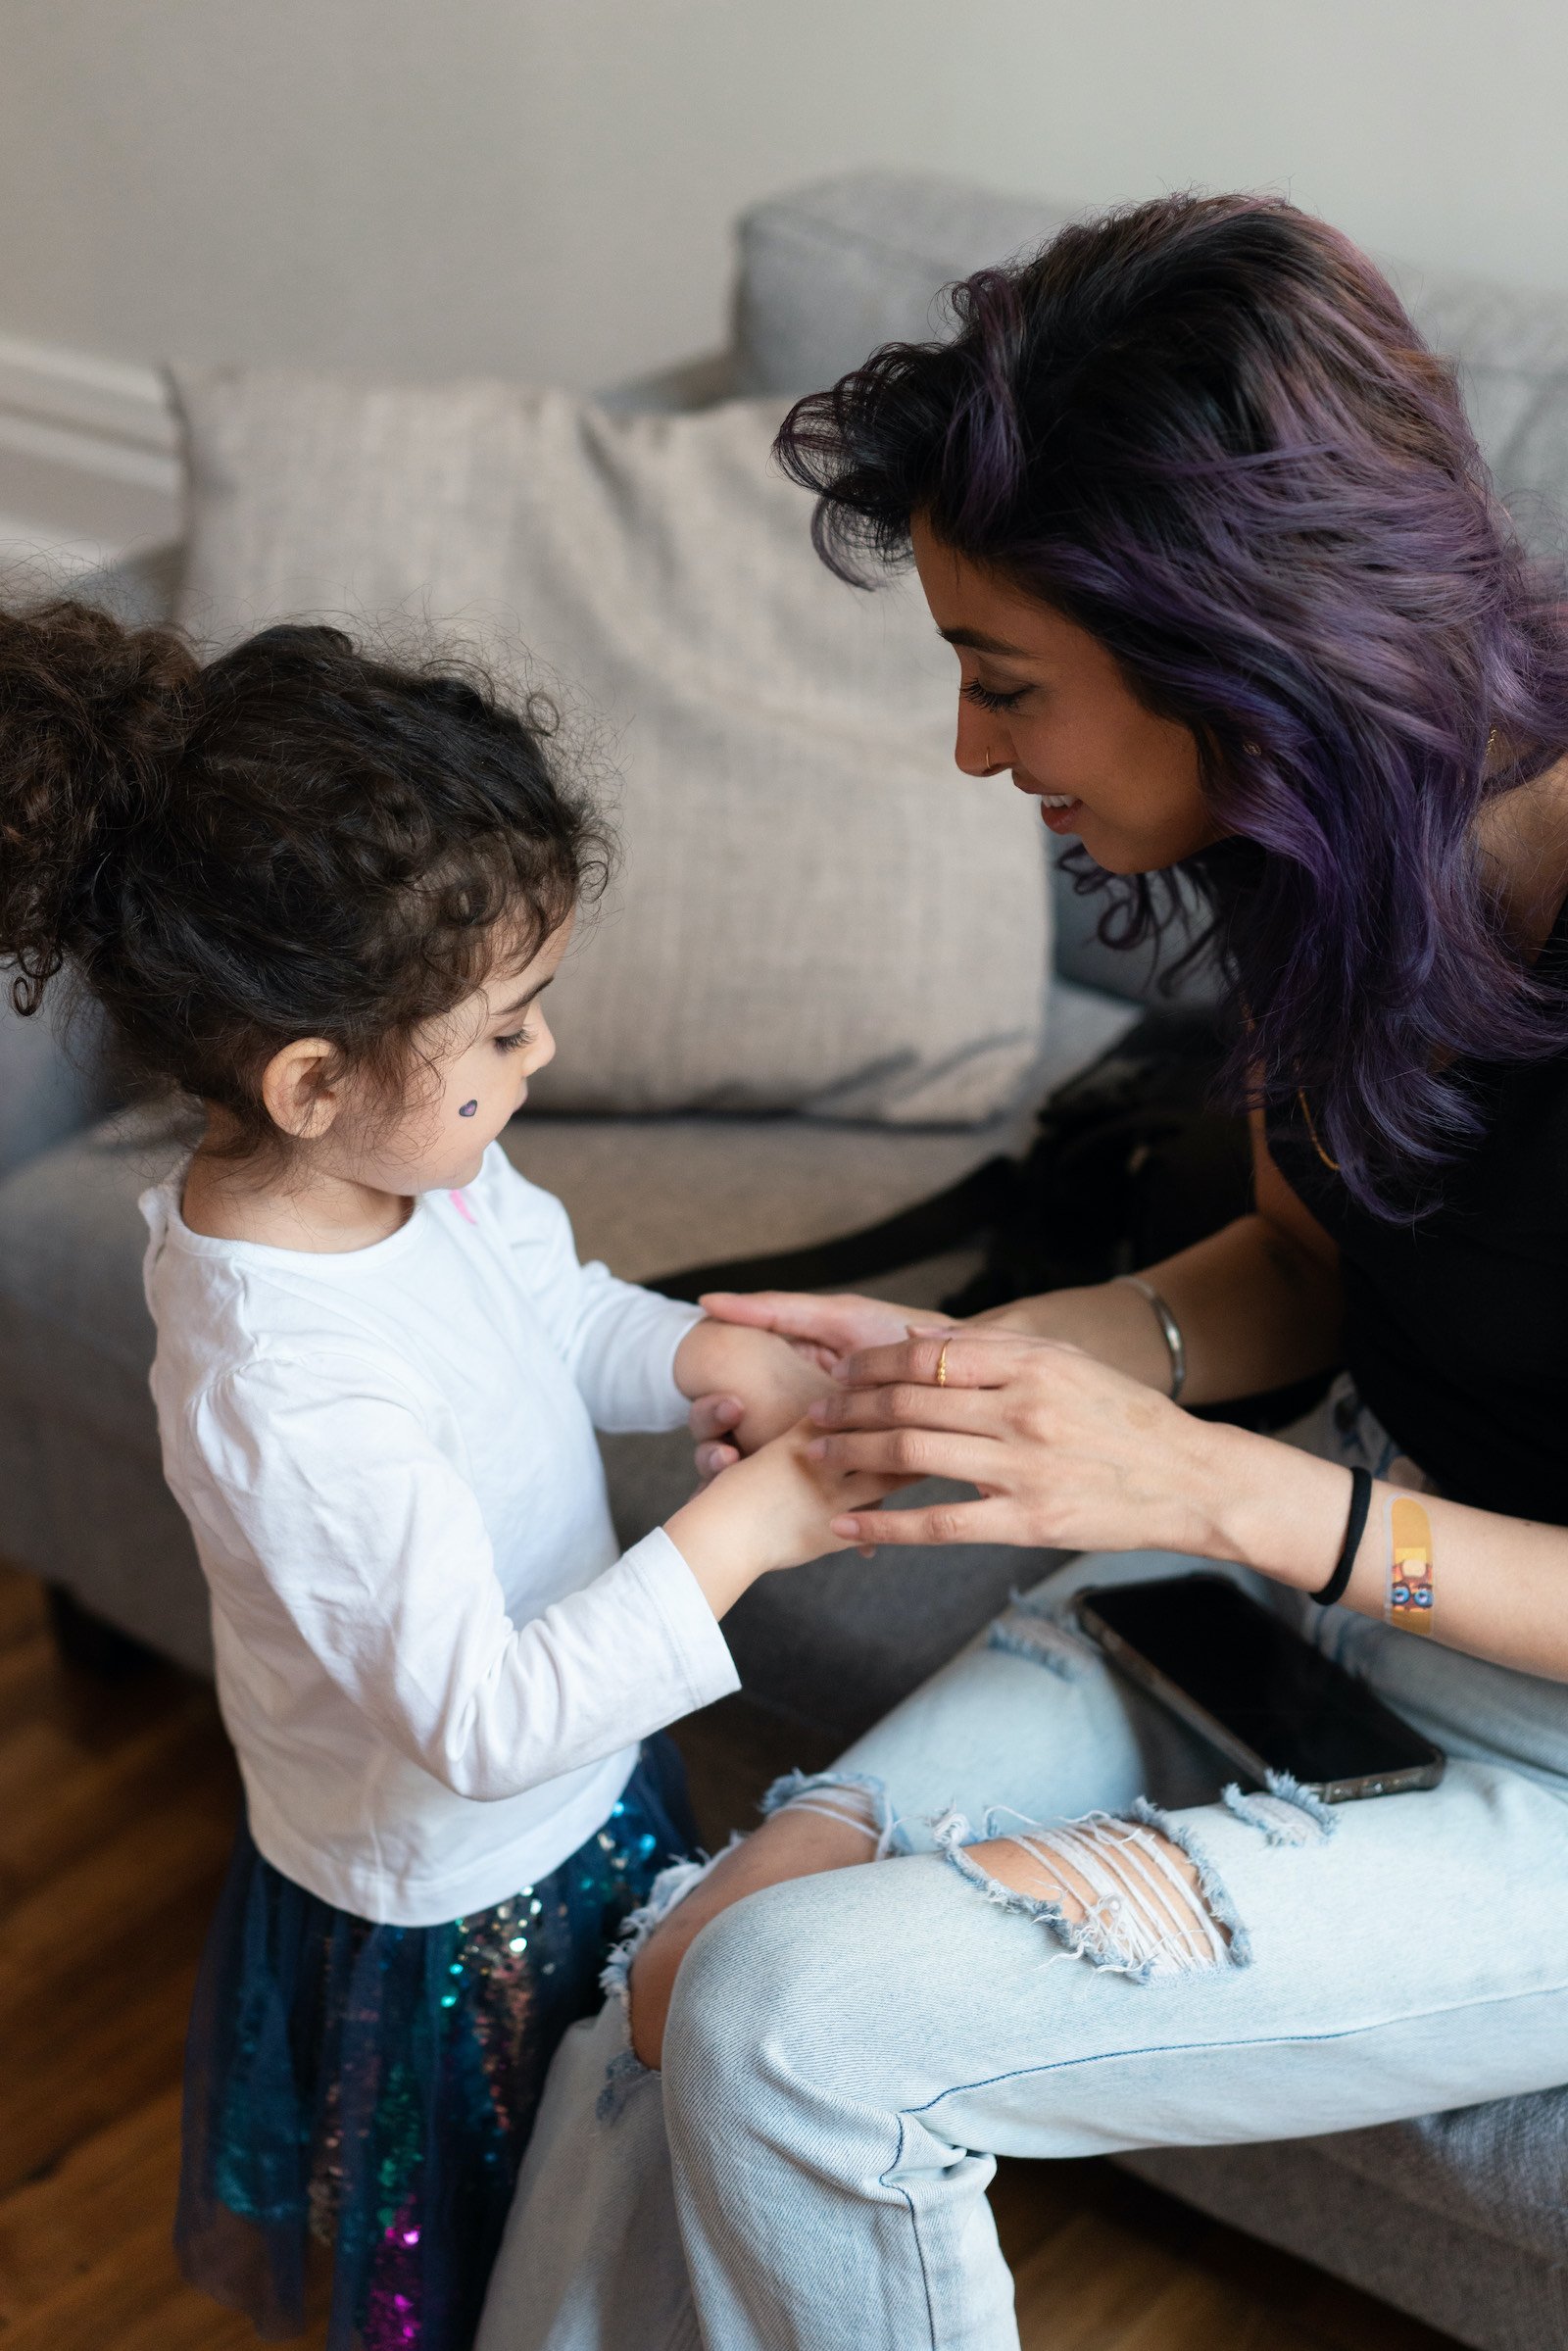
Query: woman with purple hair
(1232,597)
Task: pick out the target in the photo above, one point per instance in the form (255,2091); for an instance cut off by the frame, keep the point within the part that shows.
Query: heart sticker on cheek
(467,1110)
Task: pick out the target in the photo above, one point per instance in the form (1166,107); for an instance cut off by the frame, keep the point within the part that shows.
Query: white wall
(544,187)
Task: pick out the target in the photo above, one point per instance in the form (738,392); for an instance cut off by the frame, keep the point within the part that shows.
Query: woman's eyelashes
(986,698)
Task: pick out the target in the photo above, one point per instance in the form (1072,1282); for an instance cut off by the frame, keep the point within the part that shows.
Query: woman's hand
(826,1330)
(822,1331)
(1066,1452)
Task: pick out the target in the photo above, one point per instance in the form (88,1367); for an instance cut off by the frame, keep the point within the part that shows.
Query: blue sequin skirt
(373,2087)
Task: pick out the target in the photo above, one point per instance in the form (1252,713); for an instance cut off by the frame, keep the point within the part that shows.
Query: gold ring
(942,1364)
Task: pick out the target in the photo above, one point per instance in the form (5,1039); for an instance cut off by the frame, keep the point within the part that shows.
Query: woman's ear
(299,1099)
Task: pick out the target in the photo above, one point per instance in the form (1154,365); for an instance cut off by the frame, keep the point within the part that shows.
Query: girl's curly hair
(295,839)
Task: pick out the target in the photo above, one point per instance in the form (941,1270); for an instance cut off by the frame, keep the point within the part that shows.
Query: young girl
(324,896)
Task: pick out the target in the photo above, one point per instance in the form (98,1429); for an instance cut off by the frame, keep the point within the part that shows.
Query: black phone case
(1399,1779)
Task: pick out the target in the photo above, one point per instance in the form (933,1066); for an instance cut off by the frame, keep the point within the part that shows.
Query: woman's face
(1040,698)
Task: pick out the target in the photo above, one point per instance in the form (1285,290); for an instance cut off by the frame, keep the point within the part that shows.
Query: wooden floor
(116,1806)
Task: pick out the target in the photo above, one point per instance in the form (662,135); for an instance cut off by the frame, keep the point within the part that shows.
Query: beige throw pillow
(816,910)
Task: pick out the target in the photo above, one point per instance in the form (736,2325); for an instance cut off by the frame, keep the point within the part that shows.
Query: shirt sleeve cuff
(694,1632)
(681,1318)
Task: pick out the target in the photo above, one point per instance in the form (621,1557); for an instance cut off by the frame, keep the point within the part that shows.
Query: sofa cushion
(816,912)
(1457,2217)
(1506,2161)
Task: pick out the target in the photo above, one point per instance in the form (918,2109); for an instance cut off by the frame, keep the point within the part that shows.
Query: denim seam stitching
(1186,2048)
(885,2179)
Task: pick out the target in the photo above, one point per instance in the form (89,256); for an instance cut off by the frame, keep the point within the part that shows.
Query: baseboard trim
(89,452)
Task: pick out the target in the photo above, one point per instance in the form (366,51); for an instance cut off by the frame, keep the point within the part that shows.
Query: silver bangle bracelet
(1170,1330)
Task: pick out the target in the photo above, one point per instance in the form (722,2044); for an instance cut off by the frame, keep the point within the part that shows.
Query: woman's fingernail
(819,1409)
(846,1526)
(816,1450)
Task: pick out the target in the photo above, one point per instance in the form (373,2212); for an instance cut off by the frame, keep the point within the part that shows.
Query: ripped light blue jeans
(847,2054)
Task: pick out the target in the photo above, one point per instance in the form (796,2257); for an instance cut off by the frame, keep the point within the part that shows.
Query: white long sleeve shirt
(434,1661)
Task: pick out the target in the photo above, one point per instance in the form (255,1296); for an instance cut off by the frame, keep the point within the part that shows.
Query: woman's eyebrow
(978,641)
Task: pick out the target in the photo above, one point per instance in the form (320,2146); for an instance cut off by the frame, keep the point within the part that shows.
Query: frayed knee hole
(1121,1893)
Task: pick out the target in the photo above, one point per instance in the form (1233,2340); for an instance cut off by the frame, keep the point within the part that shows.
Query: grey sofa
(1461,2220)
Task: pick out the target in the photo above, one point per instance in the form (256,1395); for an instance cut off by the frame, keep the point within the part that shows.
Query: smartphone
(1256,1690)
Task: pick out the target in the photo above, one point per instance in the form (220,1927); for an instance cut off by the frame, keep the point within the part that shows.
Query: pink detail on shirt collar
(463,1208)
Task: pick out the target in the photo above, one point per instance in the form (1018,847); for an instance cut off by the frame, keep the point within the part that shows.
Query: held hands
(1066,1452)
(749,1386)
(804,1340)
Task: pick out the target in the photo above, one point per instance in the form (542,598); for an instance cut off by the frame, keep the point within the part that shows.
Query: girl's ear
(297,1098)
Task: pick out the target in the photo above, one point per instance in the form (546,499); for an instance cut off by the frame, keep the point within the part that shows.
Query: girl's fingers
(714,1415)
(948,1522)
(906,1454)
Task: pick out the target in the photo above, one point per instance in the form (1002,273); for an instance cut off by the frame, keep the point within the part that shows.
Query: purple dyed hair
(1205,431)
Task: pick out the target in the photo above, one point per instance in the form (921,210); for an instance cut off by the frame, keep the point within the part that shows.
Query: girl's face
(482,1055)
(1041,698)
(468,1074)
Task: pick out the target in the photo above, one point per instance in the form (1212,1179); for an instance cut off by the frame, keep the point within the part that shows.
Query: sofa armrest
(52,1080)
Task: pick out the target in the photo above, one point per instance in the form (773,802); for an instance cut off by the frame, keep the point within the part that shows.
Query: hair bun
(93,719)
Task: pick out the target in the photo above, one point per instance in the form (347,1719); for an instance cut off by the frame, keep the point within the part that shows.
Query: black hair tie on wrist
(1354,1529)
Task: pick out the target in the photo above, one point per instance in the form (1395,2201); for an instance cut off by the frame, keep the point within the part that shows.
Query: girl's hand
(772,1510)
(748,1386)
(1066,1454)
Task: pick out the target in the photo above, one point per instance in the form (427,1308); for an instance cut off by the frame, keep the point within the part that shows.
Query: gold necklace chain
(1332,1165)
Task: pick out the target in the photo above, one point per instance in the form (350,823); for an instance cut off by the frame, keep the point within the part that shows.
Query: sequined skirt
(372,2086)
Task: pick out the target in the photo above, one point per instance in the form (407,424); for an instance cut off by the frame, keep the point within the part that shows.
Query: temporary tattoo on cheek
(467,1110)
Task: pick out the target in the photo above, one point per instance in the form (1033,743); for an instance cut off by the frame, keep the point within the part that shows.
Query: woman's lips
(1058,810)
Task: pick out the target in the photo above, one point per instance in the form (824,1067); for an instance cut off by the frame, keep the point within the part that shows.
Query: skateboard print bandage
(1411,1591)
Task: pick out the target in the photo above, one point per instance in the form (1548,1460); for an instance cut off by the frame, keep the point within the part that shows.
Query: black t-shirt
(1456,1326)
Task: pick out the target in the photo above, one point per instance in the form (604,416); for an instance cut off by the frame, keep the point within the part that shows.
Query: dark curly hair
(1205,429)
(296,839)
